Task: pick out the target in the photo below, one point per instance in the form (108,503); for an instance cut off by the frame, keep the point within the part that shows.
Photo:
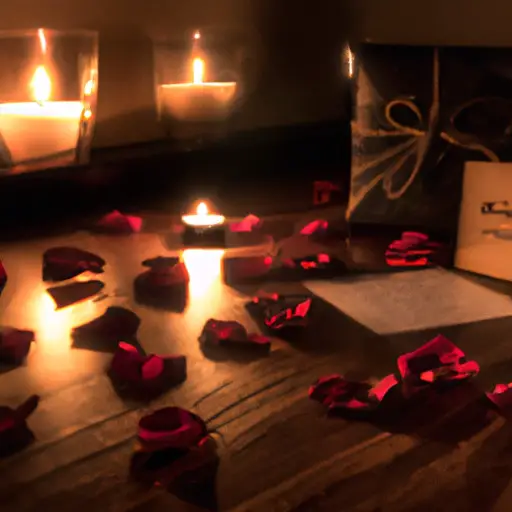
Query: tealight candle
(203,228)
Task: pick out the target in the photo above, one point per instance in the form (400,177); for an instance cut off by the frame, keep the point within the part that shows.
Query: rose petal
(63,263)
(14,432)
(161,262)
(339,394)
(115,325)
(14,344)
(295,315)
(171,427)
(116,222)
(246,225)
(72,293)
(439,360)
(3,276)
(501,397)
(314,227)
(146,376)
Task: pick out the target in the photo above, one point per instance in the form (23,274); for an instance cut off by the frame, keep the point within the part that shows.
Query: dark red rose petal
(3,276)
(294,315)
(411,250)
(117,222)
(115,324)
(248,224)
(314,227)
(161,262)
(147,376)
(171,427)
(14,432)
(218,333)
(14,344)
(437,361)
(164,467)
(70,294)
(339,394)
(501,397)
(63,263)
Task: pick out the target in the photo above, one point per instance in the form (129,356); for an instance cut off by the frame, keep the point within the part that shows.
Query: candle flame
(41,85)
(87,114)
(202,209)
(42,40)
(350,60)
(197,35)
(198,70)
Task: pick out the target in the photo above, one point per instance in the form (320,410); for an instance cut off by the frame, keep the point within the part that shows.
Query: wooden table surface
(278,450)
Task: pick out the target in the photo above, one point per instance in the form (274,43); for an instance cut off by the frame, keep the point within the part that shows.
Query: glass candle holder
(48,91)
(198,83)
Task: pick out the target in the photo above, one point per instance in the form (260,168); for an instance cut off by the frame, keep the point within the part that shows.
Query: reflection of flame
(41,85)
(89,87)
(42,41)
(198,70)
(204,268)
(350,60)
(87,114)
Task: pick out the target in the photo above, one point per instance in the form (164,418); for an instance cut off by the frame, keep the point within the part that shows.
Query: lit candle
(203,229)
(197,100)
(203,218)
(41,128)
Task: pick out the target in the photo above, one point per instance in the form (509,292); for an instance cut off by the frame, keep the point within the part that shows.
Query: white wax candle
(31,130)
(205,101)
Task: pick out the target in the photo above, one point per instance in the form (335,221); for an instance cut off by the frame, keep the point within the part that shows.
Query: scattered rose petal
(171,427)
(279,311)
(314,228)
(3,276)
(231,334)
(115,325)
(117,222)
(70,294)
(163,287)
(14,432)
(14,345)
(147,376)
(63,263)
(248,224)
(501,397)
(320,261)
(412,250)
(161,262)
(240,269)
(437,361)
(339,394)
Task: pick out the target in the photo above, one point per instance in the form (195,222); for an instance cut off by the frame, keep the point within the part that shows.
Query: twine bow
(417,144)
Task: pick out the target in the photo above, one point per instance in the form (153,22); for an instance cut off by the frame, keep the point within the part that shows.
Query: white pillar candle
(34,130)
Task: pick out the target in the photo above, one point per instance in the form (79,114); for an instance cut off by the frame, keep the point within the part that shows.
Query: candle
(202,218)
(197,100)
(41,128)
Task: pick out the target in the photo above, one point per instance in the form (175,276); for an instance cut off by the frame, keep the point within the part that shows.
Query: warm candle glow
(197,35)
(198,70)
(202,217)
(350,60)
(41,85)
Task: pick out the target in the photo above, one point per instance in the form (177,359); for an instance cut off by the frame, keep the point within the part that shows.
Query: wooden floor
(278,450)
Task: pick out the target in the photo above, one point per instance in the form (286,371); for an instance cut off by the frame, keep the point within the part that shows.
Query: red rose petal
(439,360)
(314,227)
(171,427)
(232,334)
(339,394)
(146,375)
(246,225)
(14,344)
(63,263)
(501,397)
(412,250)
(116,222)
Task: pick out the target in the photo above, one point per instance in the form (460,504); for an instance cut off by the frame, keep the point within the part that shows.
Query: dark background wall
(294,46)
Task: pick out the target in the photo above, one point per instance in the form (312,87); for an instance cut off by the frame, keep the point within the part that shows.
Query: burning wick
(202,218)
